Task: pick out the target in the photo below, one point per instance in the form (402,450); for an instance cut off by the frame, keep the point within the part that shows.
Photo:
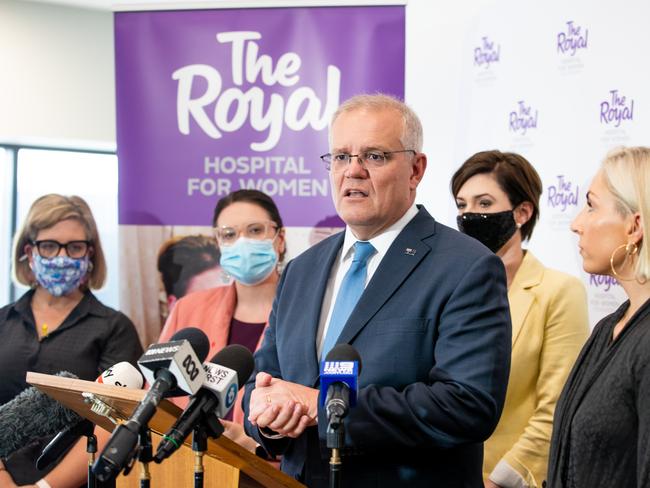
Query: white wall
(435,42)
(57,82)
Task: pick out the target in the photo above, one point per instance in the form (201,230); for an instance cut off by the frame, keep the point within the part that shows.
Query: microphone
(32,414)
(229,369)
(339,382)
(171,368)
(121,374)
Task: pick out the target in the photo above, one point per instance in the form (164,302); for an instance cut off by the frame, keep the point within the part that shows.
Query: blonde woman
(601,430)
(59,325)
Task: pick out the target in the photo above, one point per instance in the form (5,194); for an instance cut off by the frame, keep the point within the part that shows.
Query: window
(92,176)
(6,230)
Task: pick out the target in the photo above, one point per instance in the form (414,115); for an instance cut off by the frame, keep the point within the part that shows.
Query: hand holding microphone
(172,368)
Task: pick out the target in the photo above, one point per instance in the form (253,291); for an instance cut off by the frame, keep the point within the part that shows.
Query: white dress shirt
(343,262)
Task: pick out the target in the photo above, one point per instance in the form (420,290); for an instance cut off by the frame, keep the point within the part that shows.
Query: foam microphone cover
(344,352)
(237,358)
(197,339)
(30,415)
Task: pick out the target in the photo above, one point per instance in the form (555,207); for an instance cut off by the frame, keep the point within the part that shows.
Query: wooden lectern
(226,463)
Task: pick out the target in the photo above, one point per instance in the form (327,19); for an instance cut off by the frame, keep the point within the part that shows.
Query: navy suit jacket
(433,331)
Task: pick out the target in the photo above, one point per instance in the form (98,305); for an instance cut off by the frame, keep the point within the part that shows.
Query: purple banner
(210,101)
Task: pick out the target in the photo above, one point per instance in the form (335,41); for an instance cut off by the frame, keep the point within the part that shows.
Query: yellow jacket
(549,326)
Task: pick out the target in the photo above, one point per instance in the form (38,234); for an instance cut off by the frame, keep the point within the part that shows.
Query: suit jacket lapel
(313,303)
(402,258)
(520,296)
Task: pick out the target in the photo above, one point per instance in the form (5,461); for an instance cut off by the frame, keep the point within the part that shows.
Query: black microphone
(339,382)
(121,374)
(30,415)
(226,372)
(172,366)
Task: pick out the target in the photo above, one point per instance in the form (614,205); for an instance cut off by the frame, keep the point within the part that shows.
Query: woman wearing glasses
(249,231)
(59,325)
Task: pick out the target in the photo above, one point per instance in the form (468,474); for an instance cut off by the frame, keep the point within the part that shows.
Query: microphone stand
(335,442)
(91,449)
(199,446)
(145,456)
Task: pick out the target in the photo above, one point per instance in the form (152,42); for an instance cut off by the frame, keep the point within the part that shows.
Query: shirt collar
(382,241)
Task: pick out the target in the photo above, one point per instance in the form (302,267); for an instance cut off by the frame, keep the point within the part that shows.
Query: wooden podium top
(123,401)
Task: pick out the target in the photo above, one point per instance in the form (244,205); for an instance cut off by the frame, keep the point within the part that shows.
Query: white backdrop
(560,83)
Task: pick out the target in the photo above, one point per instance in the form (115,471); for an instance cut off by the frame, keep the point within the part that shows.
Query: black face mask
(491,229)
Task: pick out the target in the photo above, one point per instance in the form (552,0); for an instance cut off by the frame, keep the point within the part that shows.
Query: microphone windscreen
(344,352)
(30,415)
(237,358)
(122,374)
(197,339)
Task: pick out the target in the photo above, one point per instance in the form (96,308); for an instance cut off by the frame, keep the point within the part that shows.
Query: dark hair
(514,175)
(183,257)
(255,197)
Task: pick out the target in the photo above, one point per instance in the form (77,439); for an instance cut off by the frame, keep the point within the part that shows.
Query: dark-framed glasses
(227,235)
(367,159)
(49,248)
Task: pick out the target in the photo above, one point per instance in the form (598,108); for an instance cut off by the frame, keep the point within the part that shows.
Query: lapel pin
(409,252)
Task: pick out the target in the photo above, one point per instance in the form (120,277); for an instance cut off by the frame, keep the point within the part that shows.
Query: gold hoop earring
(630,250)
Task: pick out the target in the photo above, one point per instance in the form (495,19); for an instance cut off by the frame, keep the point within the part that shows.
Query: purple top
(246,334)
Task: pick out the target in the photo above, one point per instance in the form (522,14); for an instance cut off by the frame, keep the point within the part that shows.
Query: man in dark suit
(431,325)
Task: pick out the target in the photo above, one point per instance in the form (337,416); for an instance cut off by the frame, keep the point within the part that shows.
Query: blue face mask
(60,275)
(249,261)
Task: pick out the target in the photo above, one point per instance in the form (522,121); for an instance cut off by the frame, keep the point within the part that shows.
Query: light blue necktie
(351,289)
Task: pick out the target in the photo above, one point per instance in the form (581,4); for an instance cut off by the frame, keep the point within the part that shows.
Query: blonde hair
(626,171)
(46,212)
(412,130)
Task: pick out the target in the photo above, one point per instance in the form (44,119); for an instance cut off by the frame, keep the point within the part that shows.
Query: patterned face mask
(60,275)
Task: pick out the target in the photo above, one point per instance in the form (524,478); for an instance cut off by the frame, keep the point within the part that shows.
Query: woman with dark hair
(601,430)
(250,234)
(59,325)
(497,195)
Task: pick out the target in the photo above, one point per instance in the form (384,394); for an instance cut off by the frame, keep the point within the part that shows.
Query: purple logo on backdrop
(523,118)
(563,195)
(602,282)
(487,53)
(573,39)
(616,109)
(216,111)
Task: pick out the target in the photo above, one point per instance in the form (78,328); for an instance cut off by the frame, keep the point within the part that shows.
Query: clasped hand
(284,407)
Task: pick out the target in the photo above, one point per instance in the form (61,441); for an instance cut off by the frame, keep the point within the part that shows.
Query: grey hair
(412,131)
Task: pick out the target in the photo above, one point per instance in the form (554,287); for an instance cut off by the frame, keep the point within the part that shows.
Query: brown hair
(183,257)
(255,197)
(514,175)
(46,212)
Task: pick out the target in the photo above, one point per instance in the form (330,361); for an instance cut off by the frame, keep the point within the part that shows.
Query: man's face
(371,199)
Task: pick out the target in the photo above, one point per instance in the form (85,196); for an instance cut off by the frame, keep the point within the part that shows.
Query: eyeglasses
(74,249)
(227,236)
(368,159)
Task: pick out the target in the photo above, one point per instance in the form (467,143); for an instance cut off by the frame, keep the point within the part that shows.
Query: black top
(91,339)
(601,430)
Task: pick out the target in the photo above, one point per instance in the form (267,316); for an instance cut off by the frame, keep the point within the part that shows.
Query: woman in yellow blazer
(497,195)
